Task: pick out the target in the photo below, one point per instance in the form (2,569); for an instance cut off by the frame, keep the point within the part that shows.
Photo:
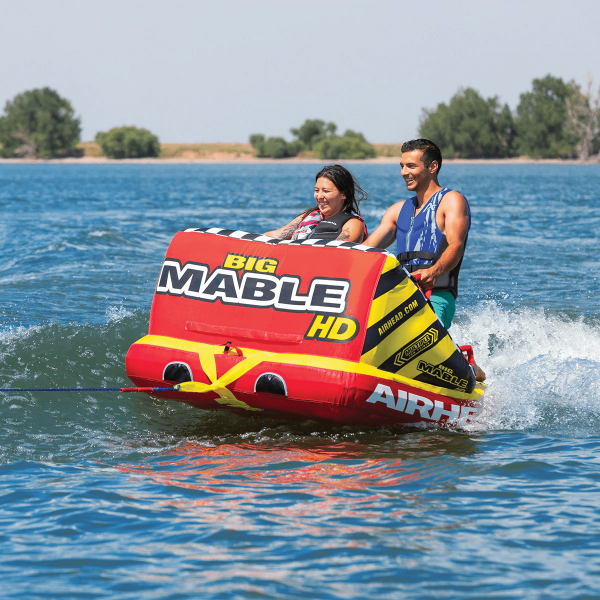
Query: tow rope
(207,362)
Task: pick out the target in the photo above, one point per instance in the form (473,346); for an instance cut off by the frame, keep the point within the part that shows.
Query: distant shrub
(351,145)
(274,147)
(128,142)
(318,136)
(256,139)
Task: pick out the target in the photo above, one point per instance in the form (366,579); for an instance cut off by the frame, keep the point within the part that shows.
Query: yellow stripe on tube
(206,354)
(402,336)
(388,302)
(438,354)
(309,360)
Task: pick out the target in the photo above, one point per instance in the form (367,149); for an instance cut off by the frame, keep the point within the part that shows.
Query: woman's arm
(352,231)
(285,232)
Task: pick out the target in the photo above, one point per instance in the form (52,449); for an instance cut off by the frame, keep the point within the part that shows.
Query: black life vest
(330,228)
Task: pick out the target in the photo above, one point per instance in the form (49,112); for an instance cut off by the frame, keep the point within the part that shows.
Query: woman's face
(328,198)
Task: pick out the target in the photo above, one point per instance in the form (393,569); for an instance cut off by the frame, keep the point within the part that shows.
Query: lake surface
(108,495)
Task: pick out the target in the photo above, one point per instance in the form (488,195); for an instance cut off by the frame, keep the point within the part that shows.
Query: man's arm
(385,234)
(455,226)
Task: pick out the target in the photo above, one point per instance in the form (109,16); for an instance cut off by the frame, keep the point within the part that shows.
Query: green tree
(256,139)
(274,147)
(38,123)
(313,131)
(541,120)
(583,119)
(505,128)
(128,142)
(351,145)
(470,126)
(318,136)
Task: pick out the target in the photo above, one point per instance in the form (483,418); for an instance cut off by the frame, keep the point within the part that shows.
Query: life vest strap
(405,257)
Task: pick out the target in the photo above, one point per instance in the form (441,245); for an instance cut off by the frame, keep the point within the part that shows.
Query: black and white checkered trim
(257,237)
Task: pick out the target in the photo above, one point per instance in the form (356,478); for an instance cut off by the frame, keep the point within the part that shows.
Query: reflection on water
(354,486)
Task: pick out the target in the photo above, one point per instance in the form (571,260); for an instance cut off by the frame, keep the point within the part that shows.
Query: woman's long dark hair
(345,182)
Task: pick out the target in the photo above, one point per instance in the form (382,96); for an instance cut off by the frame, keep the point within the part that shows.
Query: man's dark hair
(430,151)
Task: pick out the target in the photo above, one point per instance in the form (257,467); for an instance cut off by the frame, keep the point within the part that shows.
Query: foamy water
(543,370)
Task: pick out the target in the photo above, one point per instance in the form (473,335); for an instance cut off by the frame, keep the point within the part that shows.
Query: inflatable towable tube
(331,331)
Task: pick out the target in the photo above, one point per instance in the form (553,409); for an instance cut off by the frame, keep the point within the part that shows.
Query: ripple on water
(129,496)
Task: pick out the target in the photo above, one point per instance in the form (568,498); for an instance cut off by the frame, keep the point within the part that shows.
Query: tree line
(555,119)
(316,136)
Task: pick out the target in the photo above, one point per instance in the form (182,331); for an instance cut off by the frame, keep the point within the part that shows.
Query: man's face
(416,175)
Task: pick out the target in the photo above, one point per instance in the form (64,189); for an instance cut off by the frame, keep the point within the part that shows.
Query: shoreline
(244,153)
(221,159)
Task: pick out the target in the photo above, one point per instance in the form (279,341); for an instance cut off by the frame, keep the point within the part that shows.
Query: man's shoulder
(452,198)
(450,193)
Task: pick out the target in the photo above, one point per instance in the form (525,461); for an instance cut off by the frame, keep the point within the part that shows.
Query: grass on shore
(388,150)
(224,151)
(186,151)
(207,151)
(90,149)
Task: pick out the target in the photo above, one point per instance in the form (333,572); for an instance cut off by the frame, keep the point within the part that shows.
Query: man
(430,229)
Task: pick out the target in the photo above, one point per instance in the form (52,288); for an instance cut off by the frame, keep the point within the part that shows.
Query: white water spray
(543,370)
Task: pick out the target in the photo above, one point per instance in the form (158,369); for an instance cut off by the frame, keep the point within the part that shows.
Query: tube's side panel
(404,336)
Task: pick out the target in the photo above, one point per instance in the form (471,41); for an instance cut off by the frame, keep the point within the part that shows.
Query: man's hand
(427,277)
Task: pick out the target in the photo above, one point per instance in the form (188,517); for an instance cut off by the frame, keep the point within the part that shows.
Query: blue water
(107,495)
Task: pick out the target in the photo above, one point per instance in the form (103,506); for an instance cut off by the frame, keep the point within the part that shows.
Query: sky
(199,71)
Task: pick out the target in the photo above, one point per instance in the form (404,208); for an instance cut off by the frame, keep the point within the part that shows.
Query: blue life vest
(420,242)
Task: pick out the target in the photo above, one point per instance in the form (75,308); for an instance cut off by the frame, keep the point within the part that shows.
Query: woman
(336,216)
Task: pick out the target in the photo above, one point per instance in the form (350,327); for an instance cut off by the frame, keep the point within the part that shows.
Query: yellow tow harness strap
(206,354)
